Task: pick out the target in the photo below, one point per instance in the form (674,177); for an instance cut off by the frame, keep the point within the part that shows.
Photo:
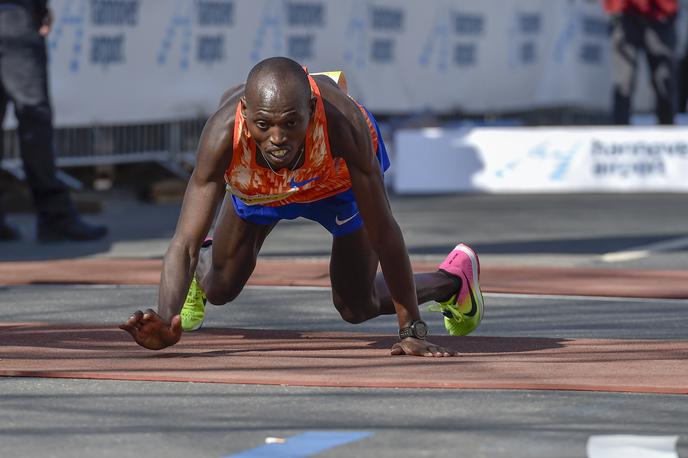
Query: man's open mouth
(278,153)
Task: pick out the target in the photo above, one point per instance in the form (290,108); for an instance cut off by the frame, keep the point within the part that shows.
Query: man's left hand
(416,347)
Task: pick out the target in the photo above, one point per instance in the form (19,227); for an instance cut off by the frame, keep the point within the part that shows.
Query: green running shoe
(193,312)
(464,310)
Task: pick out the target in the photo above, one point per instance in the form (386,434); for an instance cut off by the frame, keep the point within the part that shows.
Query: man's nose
(277,136)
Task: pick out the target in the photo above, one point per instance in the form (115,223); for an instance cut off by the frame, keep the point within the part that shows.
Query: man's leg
(7,231)
(625,39)
(360,293)
(24,76)
(660,48)
(683,84)
(225,266)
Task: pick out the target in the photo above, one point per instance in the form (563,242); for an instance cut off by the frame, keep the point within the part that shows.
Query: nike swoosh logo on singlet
(339,222)
(298,184)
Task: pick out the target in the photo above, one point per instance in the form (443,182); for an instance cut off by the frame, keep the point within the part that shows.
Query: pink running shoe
(464,310)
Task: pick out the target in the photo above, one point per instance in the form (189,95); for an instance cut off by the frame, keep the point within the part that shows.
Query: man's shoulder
(225,114)
(232,95)
(346,125)
(218,133)
(340,108)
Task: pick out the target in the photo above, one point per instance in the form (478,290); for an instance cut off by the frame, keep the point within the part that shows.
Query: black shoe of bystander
(8,232)
(70,227)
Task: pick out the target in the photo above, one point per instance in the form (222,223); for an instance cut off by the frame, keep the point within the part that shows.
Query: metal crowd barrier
(171,144)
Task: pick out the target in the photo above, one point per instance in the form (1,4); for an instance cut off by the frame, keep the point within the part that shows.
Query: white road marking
(625,256)
(290,288)
(581,298)
(494,295)
(631,446)
(645,250)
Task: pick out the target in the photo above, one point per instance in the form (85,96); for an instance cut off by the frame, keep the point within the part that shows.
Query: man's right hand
(46,23)
(150,331)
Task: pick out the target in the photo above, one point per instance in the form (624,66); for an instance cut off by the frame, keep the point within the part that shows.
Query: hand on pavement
(150,331)
(417,347)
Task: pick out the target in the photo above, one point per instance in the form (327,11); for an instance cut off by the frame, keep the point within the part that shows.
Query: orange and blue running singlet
(320,190)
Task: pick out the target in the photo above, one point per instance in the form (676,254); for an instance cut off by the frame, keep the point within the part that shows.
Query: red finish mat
(303,272)
(239,356)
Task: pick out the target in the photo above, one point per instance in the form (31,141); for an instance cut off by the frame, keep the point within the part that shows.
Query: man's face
(278,122)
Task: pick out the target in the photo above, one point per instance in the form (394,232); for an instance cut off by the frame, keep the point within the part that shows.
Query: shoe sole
(195,328)
(475,265)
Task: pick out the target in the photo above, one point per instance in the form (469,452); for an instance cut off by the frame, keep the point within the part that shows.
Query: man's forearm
(396,268)
(177,272)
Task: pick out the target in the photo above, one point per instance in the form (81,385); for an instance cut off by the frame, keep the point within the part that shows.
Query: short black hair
(279,69)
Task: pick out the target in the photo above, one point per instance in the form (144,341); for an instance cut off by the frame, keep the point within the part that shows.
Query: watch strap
(410,331)
(406,332)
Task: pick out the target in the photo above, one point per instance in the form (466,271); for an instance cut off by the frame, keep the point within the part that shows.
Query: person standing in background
(649,26)
(24,24)
(683,64)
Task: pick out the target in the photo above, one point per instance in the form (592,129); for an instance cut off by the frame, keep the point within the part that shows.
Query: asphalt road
(41,417)
(66,418)
(558,230)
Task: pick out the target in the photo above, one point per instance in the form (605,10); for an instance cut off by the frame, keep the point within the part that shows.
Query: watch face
(420,329)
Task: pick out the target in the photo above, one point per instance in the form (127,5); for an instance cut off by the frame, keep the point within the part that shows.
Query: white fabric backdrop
(127,61)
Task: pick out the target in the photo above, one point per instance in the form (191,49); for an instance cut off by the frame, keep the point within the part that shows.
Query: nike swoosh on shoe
(474,304)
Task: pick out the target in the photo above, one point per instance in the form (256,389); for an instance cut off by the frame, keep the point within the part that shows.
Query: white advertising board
(576,159)
(128,61)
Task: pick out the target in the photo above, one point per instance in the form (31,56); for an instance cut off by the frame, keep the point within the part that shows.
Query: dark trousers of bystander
(632,34)
(24,82)
(683,83)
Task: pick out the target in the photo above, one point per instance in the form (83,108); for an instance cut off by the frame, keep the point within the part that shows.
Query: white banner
(576,159)
(128,61)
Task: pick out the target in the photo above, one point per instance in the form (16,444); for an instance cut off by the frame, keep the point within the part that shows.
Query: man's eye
(291,124)
(261,124)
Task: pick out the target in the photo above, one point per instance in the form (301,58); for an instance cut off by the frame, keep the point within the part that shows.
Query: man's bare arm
(161,329)
(383,231)
(203,193)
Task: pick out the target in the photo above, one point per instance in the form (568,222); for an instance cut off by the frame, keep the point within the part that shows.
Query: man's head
(277,106)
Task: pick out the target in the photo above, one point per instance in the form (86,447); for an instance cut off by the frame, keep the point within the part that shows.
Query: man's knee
(220,282)
(221,292)
(353,311)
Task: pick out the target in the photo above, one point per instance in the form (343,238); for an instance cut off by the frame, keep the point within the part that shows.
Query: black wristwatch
(418,329)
